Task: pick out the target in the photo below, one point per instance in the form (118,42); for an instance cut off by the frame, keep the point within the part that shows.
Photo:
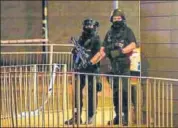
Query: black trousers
(124,82)
(121,68)
(90,94)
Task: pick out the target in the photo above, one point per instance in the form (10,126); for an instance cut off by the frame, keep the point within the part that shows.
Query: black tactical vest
(119,38)
(88,42)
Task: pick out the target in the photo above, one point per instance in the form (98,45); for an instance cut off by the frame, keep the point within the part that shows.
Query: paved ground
(54,119)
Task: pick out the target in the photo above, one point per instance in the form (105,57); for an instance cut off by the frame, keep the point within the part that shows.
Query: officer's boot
(114,121)
(91,112)
(116,104)
(125,109)
(125,119)
(73,120)
(116,118)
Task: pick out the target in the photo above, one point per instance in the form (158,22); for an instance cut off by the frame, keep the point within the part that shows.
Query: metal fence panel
(17,54)
(44,95)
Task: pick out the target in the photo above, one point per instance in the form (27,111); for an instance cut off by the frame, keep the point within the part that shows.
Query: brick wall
(65,18)
(21,20)
(159,42)
(159,29)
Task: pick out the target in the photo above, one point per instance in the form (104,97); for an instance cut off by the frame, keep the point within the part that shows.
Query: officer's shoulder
(80,37)
(109,31)
(96,38)
(128,28)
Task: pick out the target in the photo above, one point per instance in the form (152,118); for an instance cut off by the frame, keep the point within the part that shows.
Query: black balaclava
(118,24)
(89,31)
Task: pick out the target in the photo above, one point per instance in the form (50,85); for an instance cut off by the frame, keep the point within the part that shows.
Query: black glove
(74,51)
(83,66)
(87,64)
(79,67)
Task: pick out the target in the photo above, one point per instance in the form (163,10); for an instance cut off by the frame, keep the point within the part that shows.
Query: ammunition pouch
(116,53)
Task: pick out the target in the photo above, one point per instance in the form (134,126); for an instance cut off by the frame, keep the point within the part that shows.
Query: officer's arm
(129,48)
(99,56)
(132,42)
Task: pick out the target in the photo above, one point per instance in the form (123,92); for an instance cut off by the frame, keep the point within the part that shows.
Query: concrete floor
(56,119)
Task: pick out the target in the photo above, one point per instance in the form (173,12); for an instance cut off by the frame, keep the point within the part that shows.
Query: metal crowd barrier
(44,96)
(25,54)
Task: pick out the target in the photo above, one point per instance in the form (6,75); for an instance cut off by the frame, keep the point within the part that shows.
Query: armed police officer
(90,40)
(119,42)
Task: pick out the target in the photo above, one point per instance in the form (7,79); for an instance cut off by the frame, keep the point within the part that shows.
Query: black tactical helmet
(90,21)
(117,12)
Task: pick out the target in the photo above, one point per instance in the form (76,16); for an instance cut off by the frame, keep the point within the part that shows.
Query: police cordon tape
(50,88)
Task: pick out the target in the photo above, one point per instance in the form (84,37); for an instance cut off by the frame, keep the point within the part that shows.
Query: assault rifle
(81,51)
